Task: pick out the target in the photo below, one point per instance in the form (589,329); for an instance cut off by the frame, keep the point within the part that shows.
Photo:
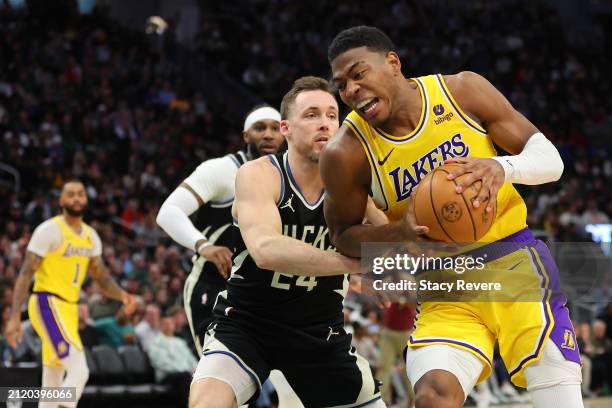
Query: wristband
(203,245)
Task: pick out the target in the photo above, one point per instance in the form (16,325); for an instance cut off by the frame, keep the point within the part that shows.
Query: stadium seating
(125,376)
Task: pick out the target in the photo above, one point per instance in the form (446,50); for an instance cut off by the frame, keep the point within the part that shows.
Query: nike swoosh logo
(383,161)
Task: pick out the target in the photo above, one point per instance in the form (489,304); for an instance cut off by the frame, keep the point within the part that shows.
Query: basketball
(451,217)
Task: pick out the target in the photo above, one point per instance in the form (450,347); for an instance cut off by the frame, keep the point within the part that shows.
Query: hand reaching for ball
(488,171)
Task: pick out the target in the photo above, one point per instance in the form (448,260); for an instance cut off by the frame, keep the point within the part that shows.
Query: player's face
(74,199)
(366,81)
(264,137)
(312,121)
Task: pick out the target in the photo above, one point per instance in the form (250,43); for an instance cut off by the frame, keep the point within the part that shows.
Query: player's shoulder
(263,174)
(222,161)
(49,225)
(464,81)
(341,144)
(262,166)
(343,149)
(217,168)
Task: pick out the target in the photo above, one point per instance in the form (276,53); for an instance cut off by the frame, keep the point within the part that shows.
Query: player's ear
(284,127)
(245,136)
(394,61)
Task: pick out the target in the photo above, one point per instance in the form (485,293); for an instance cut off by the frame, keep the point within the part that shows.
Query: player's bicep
(255,204)
(30,264)
(97,269)
(506,126)
(346,194)
(209,181)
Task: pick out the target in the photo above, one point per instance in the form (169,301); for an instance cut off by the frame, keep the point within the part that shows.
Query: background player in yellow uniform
(400,130)
(62,250)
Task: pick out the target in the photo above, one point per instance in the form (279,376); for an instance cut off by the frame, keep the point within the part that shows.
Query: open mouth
(368,106)
(266,147)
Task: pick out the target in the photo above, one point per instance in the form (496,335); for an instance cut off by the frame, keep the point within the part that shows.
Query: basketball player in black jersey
(208,194)
(283,304)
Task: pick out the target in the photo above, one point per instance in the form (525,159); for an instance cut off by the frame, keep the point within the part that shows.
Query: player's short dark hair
(303,84)
(72,180)
(360,36)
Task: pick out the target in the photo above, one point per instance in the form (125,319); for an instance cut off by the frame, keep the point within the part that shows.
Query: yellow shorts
(57,323)
(521,327)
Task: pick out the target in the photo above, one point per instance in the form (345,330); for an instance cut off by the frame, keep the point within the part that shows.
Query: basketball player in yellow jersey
(400,130)
(60,253)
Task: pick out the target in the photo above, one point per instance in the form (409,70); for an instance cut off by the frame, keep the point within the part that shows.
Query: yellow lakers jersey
(63,270)
(444,131)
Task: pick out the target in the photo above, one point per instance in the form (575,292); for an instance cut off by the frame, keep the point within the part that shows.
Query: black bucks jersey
(306,302)
(214,220)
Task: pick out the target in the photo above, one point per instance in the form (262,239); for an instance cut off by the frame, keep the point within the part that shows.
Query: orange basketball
(451,217)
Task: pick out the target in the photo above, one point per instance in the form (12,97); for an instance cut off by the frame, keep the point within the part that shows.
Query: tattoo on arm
(30,264)
(100,274)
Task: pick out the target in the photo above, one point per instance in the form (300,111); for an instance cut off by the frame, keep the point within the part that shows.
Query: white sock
(558,396)
(287,398)
(51,377)
(77,374)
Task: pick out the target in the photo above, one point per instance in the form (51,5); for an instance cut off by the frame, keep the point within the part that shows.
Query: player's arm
(109,288)
(257,191)
(20,292)
(534,160)
(173,216)
(346,175)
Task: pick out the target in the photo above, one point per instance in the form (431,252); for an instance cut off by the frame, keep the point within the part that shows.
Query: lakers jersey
(444,131)
(63,269)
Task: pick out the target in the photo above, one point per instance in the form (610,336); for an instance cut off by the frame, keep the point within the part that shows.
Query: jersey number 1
(76,274)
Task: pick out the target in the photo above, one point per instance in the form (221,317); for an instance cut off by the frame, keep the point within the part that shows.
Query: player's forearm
(110,288)
(22,284)
(284,254)
(538,163)
(20,292)
(178,226)
(349,240)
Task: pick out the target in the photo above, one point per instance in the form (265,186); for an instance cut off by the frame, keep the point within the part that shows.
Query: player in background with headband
(210,191)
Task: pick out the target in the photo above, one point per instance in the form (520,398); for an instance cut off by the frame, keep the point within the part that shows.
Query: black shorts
(199,299)
(319,363)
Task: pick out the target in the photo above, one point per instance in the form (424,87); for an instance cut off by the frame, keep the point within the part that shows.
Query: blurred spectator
(148,329)
(181,329)
(100,307)
(116,331)
(88,332)
(607,318)
(172,360)
(601,358)
(583,340)
(365,345)
(397,325)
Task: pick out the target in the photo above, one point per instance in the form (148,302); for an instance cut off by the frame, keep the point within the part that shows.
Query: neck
(306,174)
(73,222)
(406,109)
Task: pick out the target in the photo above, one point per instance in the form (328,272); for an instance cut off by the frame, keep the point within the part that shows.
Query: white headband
(263,113)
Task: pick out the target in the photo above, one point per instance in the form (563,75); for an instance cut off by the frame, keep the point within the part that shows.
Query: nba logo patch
(568,340)
(204,298)
(438,109)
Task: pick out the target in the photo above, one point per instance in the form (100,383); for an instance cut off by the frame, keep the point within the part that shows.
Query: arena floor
(589,403)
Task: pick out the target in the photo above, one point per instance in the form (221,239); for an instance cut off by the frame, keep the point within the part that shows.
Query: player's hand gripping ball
(451,216)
